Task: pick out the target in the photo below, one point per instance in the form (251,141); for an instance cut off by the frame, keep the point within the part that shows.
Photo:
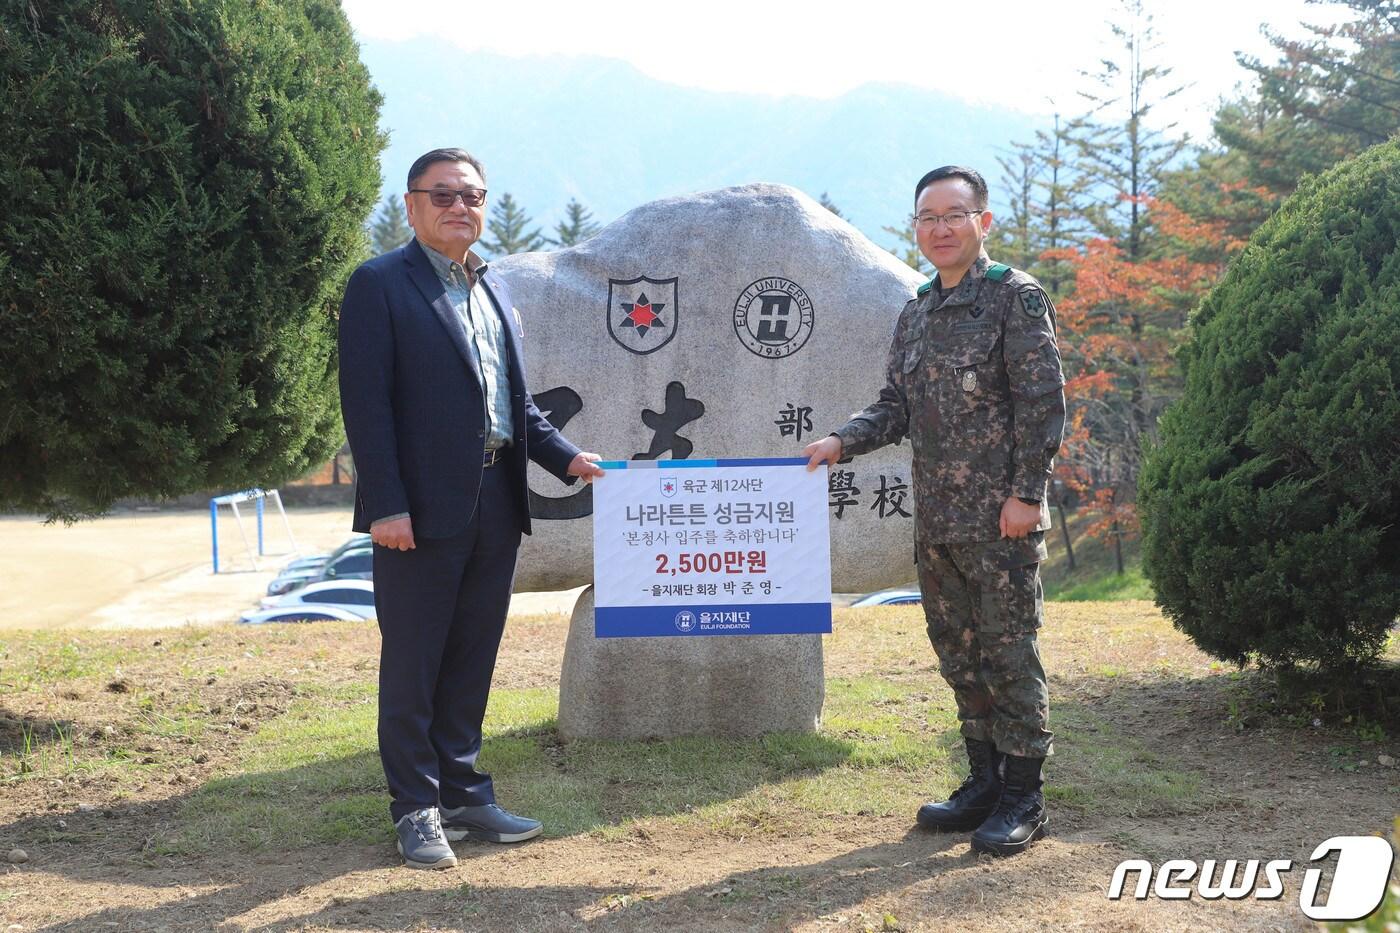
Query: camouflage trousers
(983,602)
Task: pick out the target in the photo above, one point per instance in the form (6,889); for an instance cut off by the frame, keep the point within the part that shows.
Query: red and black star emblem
(642,314)
(632,314)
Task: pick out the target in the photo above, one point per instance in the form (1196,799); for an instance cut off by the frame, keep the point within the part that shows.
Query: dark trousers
(442,609)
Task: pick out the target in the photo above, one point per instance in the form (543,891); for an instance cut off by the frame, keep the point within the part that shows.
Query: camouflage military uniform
(974,380)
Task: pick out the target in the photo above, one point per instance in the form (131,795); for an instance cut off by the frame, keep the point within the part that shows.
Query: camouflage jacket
(975,382)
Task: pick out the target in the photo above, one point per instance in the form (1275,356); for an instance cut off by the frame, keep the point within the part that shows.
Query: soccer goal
(258,496)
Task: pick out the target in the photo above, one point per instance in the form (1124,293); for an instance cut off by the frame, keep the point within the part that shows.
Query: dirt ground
(153,569)
(1270,789)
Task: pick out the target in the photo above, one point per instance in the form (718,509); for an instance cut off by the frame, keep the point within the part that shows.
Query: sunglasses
(445,197)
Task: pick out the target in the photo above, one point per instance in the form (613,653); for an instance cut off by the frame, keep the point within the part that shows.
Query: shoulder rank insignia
(1033,302)
(997,271)
(923,289)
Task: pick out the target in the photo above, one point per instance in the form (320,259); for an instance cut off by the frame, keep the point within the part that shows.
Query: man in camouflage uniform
(974,380)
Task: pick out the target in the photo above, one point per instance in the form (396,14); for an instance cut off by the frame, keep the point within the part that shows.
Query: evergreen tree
(390,228)
(183,192)
(506,230)
(906,248)
(1052,209)
(826,202)
(576,226)
(1271,502)
(1326,97)
(1125,313)
(1120,150)
(1011,240)
(1124,157)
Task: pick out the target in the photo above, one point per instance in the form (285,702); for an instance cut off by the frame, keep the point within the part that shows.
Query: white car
(901,596)
(355,596)
(356,563)
(307,613)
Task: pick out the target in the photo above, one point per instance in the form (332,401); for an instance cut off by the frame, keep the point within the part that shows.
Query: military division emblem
(642,313)
(773,317)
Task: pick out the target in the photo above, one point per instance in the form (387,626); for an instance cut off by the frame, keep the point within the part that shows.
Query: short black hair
(969,175)
(420,164)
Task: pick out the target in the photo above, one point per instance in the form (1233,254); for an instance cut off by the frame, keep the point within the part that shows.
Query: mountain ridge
(550,128)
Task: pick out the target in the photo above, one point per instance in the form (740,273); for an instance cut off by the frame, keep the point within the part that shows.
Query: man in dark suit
(432,388)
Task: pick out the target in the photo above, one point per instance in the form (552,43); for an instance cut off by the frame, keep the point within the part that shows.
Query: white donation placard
(711,547)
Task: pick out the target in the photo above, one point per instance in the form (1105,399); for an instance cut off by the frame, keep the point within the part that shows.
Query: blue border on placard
(765,619)
(693,464)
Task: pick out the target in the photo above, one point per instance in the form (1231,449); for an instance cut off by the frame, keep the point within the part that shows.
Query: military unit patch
(1034,302)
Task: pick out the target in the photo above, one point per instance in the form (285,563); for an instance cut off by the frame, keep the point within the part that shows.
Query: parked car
(350,561)
(306,613)
(291,580)
(357,539)
(355,596)
(312,562)
(354,564)
(900,596)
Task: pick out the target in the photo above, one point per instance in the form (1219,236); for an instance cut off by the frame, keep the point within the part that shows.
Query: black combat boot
(971,803)
(1019,818)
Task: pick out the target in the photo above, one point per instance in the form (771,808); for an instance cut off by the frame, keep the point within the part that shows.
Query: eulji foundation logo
(1358,881)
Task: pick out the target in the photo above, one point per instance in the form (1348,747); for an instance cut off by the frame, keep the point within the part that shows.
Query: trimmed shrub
(1271,502)
(183,189)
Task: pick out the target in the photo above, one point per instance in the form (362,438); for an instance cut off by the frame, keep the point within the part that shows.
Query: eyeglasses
(955,220)
(446,197)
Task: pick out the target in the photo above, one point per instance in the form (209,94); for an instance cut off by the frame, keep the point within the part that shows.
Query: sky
(1020,54)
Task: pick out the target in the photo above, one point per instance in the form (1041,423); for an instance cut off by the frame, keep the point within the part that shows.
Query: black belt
(494,455)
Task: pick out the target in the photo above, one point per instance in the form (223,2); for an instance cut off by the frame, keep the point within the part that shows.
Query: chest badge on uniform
(975,313)
(969,380)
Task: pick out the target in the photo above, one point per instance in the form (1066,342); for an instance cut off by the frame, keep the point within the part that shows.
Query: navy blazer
(411,397)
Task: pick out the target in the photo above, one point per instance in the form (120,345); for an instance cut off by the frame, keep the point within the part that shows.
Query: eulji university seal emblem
(773,317)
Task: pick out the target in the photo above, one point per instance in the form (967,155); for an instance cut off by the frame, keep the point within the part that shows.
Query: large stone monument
(743,322)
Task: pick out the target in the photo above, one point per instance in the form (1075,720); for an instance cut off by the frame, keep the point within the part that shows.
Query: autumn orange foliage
(1120,325)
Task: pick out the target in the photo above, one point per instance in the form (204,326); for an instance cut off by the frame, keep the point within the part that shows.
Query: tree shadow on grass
(1159,751)
(266,834)
(770,897)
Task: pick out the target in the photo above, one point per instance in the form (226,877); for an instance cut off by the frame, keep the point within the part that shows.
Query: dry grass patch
(193,778)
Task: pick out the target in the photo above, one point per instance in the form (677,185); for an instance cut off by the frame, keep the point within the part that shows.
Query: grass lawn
(197,777)
(1095,576)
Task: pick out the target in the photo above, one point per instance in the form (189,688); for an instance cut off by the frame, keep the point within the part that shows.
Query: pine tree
(826,202)
(906,248)
(390,228)
(183,193)
(577,225)
(1052,208)
(1326,97)
(1011,240)
(1120,150)
(1271,501)
(507,232)
(1126,311)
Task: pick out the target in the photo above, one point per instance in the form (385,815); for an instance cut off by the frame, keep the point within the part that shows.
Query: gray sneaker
(488,823)
(421,841)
